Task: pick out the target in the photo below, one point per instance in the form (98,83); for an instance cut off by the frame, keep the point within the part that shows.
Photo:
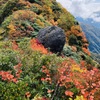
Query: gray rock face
(52,37)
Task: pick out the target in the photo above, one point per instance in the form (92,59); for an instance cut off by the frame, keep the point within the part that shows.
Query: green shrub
(12,91)
(73,40)
(7,9)
(23,23)
(41,73)
(8,59)
(68,52)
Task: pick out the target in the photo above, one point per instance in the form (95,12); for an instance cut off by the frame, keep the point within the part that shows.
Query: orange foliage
(87,82)
(14,45)
(84,40)
(23,15)
(69,93)
(47,75)
(82,64)
(53,22)
(47,9)
(20,30)
(35,45)
(24,3)
(74,48)
(18,70)
(85,45)
(27,94)
(76,29)
(7,76)
(86,51)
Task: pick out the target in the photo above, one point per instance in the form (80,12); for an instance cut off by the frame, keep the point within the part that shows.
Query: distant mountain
(93,35)
(89,21)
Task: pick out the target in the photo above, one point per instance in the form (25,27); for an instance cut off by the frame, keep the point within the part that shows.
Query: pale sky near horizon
(83,8)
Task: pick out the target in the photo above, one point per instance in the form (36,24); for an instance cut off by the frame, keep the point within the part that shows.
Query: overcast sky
(83,8)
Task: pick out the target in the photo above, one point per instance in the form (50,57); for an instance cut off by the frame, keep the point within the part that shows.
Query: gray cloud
(83,8)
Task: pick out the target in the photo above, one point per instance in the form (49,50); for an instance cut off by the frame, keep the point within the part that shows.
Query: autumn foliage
(75,37)
(28,70)
(53,73)
(36,46)
(7,76)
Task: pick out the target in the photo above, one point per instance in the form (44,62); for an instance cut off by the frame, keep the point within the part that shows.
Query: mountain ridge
(93,35)
(89,21)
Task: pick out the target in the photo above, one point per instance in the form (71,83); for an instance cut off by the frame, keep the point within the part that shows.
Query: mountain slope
(28,70)
(93,35)
(26,18)
(33,15)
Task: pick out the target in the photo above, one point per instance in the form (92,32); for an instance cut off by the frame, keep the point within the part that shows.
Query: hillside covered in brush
(29,70)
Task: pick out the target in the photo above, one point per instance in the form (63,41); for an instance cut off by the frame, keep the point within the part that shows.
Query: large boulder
(52,37)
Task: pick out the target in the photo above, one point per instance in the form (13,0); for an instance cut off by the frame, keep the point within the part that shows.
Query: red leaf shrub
(35,45)
(69,93)
(7,76)
(87,82)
